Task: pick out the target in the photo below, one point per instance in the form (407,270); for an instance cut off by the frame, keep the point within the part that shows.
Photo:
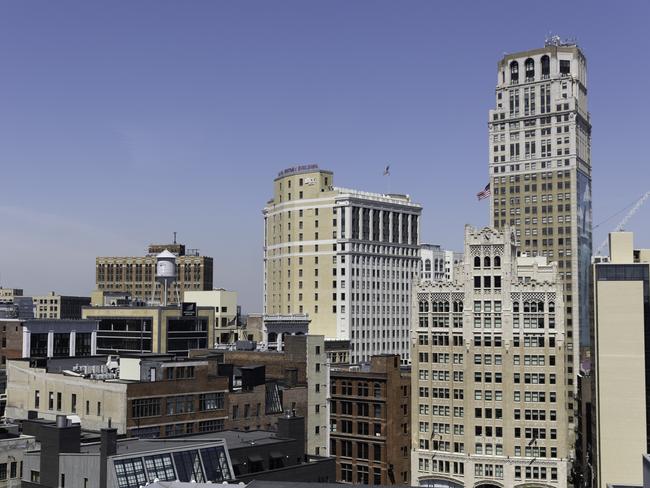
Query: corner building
(345,257)
(488,362)
(540,169)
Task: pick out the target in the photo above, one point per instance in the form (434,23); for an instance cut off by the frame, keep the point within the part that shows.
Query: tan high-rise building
(540,169)
(621,363)
(136,275)
(488,365)
(344,257)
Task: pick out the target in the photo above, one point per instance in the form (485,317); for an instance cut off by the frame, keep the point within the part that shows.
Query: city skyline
(210,108)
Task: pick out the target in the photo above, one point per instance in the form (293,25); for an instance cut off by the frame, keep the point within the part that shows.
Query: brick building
(370,422)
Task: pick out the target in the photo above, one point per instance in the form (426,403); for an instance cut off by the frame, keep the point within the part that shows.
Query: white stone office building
(540,173)
(488,369)
(438,264)
(346,258)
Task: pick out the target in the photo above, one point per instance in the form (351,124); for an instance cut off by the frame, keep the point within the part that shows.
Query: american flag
(485,193)
(387,170)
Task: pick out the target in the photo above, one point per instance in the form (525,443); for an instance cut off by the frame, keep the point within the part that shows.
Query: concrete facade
(488,406)
(438,264)
(335,253)
(226,312)
(151,329)
(621,334)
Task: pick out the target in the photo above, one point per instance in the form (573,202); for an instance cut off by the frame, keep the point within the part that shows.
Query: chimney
(107,448)
(62,437)
(293,427)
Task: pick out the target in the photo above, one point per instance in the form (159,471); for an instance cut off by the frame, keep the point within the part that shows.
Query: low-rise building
(7,295)
(301,364)
(151,329)
(229,456)
(228,326)
(55,306)
(13,447)
(370,422)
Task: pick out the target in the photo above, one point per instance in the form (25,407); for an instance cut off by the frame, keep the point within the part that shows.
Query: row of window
(181,404)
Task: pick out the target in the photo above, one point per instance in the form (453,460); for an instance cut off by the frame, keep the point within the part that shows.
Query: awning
(276,455)
(255,459)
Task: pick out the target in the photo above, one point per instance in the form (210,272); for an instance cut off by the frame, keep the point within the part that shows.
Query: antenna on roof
(174,237)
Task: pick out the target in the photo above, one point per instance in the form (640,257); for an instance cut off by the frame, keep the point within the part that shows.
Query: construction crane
(625,220)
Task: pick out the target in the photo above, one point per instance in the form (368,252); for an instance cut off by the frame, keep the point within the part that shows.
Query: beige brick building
(621,364)
(136,275)
(55,306)
(540,169)
(344,257)
(488,365)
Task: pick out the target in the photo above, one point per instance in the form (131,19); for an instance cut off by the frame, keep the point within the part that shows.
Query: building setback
(540,170)
(369,422)
(621,363)
(344,257)
(136,275)
(438,264)
(488,407)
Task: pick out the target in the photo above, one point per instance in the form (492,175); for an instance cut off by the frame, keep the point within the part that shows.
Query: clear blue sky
(121,122)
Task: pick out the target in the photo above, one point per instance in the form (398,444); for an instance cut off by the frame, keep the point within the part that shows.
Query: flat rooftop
(234,440)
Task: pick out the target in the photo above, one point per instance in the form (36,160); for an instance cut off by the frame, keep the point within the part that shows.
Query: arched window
(427,265)
(546,66)
(486,262)
(540,307)
(530,69)
(434,307)
(515,306)
(526,306)
(514,72)
(446,306)
(497,261)
(551,307)
(477,262)
(424,306)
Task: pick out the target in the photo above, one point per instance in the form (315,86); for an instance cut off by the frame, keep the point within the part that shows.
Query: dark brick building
(370,422)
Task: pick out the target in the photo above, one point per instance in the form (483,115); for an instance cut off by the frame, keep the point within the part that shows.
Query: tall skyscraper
(540,170)
(346,258)
(621,360)
(488,356)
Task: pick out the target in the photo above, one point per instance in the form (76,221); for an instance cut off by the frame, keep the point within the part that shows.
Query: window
(37,399)
(211,401)
(145,407)
(50,400)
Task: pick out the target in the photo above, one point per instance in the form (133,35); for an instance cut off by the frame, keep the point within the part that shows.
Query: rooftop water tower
(165,272)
